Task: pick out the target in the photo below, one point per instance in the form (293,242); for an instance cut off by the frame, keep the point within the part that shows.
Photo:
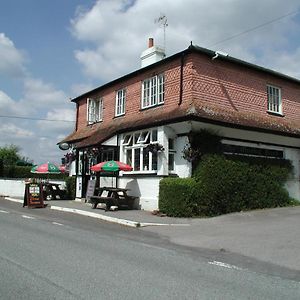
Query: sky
(54,50)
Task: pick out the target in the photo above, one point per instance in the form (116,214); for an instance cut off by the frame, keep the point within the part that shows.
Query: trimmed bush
(176,197)
(231,185)
(71,187)
(1,167)
(14,171)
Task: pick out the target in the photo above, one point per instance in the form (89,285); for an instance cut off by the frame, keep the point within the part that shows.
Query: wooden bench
(108,201)
(114,197)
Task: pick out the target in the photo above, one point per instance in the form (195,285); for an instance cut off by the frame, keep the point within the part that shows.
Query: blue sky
(55,50)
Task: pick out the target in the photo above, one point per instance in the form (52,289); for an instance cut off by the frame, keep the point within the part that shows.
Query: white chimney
(152,55)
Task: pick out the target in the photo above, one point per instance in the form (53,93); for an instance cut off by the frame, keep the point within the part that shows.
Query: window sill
(94,123)
(152,106)
(274,113)
(140,174)
(119,116)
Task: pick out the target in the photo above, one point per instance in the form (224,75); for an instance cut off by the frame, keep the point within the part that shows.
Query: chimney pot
(150,42)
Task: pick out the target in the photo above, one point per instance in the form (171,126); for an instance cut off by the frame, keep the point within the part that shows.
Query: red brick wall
(133,96)
(231,86)
(212,83)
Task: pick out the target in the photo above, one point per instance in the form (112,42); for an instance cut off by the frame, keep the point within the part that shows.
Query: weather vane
(163,21)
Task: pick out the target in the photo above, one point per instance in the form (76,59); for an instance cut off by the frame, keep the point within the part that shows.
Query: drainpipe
(181,78)
(76,124)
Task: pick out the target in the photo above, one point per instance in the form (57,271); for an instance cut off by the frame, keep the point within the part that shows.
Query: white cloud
(81,88)
(12,60)
(117,36)
(11,130)
(39,94)
(65,121)
(7,105)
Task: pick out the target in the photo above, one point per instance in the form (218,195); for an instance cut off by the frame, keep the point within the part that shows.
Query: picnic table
(111,196)
(53,191)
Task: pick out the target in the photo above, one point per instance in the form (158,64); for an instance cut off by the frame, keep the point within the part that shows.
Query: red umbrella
(111,166)
(46,168)
(63,169)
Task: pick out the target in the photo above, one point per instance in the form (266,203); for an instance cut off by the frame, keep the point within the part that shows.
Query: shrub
(1,167)
(176,197)
(71,187)
(14,171)
(230,185)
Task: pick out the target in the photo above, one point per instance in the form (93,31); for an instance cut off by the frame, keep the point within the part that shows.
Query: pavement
(131,218)
(269,236)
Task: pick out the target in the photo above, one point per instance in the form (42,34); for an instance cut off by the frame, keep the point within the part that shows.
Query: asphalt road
(53,255)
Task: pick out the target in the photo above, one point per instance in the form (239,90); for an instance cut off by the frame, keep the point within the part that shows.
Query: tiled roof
(197,112)
(190,49)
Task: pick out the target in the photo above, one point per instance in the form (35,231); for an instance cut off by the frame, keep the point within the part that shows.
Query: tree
(9,154)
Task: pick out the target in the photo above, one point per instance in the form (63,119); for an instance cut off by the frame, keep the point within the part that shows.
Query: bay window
(136,152)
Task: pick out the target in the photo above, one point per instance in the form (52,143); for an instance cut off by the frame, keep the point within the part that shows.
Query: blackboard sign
(90,190)
(34,195)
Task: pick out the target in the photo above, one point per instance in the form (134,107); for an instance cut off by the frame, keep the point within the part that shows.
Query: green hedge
(176,197)
(231,185)
(222,185)
(14,171)
(71,187)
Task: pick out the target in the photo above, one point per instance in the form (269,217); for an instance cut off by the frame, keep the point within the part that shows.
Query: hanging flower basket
(155,148)
(69,157)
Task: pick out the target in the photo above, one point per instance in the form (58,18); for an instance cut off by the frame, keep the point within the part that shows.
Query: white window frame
(274,99)
(120,102)
(172,152)
(133,146)
(94,110)
(153,91)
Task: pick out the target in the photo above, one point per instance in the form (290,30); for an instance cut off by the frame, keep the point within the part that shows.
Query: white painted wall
(293,184)
(78,187)
(12,188)
(146,188)
(16,187)
(183,168)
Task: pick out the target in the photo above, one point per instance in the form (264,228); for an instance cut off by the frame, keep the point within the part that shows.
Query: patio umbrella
(111,166)
(63,169)
(46,168)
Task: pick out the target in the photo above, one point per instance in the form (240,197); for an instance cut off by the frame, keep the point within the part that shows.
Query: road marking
(224,265)
(59,224)
(27,217)
(4,211)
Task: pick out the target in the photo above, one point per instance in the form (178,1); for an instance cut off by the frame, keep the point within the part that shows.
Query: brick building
(255,110)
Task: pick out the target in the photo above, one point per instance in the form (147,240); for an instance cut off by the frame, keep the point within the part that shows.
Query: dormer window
(153,91)
(94,110)
(274,99)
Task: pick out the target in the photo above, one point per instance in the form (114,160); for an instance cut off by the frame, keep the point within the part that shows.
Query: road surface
(54,255)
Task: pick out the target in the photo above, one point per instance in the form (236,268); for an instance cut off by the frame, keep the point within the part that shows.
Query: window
(274,99)
(136,153)
(171,155)
(252,151)
(95,110)
(153,91)
(120,102)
